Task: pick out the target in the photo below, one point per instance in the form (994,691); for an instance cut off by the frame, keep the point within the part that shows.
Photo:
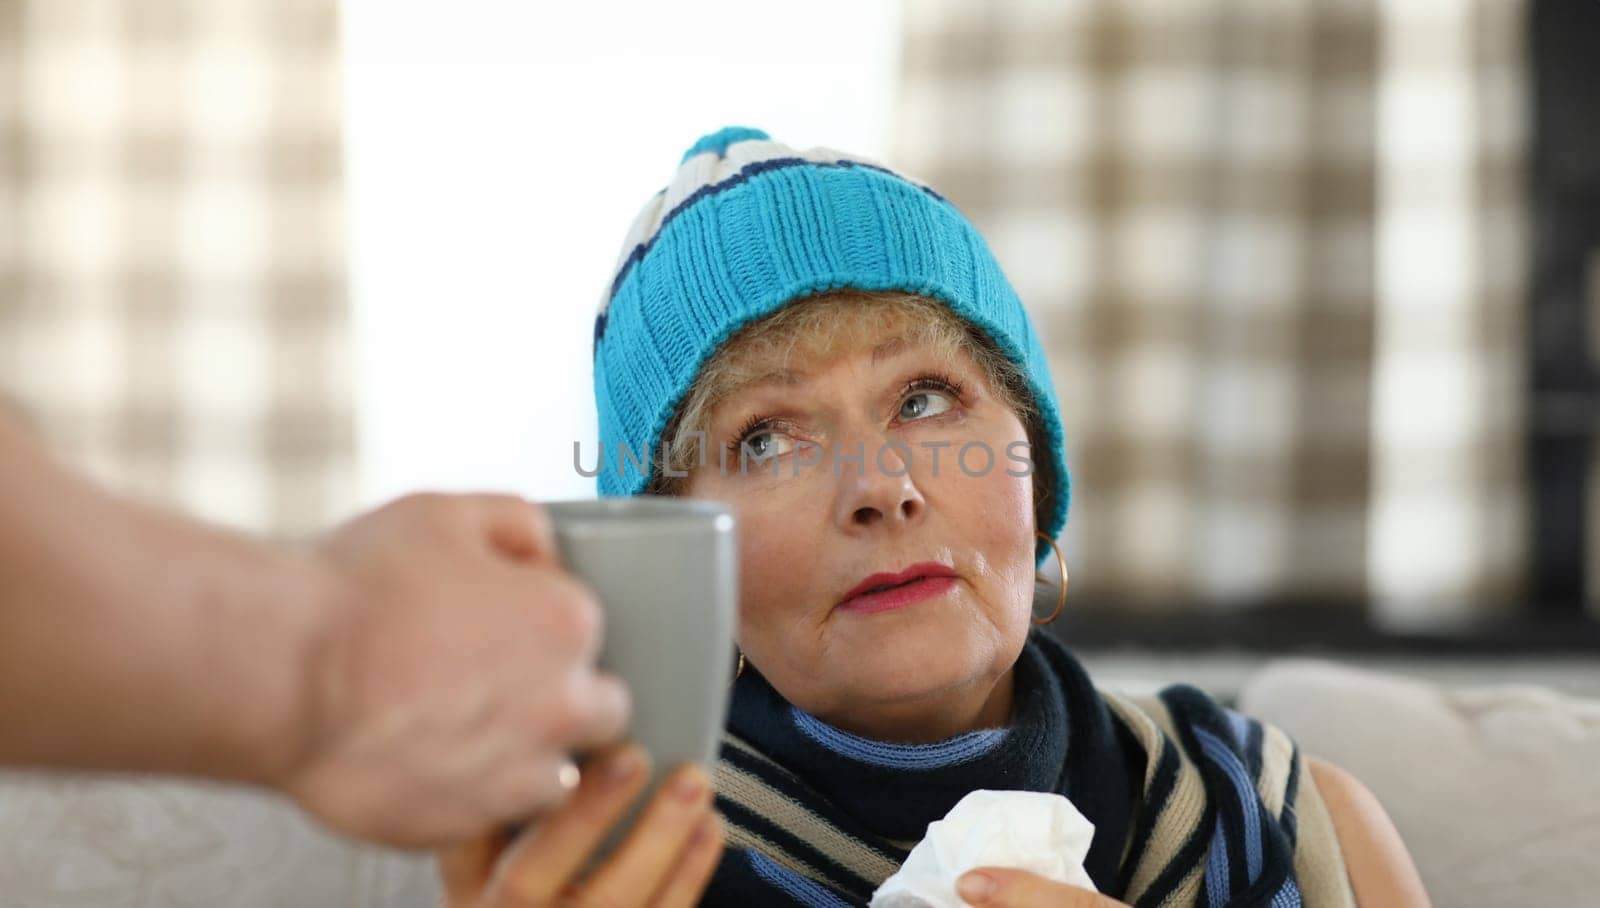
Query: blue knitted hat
(749,224)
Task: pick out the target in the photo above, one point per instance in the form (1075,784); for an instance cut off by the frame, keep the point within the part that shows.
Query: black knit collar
(1061,738)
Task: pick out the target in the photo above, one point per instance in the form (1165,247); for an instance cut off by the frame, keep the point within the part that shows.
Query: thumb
(516,528)
(1004,887)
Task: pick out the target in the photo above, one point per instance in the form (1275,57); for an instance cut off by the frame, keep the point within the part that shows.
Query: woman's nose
(881,490)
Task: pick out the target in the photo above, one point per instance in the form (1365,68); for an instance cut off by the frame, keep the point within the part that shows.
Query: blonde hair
(814,325)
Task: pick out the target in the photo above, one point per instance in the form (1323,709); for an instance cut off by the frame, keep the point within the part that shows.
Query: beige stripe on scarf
(1318,861)
(1277,751)
(793,817)
(1147,717)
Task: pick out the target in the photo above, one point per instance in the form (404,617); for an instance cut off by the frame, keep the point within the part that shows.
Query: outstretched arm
(133,639)
(418,676)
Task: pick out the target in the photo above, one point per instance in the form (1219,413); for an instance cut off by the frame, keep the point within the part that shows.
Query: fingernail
(624,766)
(689,785)
(975,887)
(702,832)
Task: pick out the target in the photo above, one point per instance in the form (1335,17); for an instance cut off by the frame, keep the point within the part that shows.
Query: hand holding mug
(666,859)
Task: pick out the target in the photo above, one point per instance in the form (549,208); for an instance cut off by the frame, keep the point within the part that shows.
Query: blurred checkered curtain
(173,315)
(1450,524)
(1186,195)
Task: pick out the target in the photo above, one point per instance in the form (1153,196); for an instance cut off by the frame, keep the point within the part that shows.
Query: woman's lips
(883,591)
(898,596)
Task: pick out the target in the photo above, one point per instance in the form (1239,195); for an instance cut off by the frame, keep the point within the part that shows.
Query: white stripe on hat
(709,168)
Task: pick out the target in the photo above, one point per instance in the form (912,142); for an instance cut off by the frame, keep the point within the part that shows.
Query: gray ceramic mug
(666,572)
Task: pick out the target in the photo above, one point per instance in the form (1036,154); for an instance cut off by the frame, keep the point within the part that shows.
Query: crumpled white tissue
(1037,831)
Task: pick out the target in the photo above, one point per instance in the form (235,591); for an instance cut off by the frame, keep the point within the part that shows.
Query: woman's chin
(911,674)
(937,631)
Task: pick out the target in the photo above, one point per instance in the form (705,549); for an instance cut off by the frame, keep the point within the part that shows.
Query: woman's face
(823,524)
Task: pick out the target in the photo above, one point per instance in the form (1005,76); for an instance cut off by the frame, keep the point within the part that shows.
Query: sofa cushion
(139,842)
(1495,788)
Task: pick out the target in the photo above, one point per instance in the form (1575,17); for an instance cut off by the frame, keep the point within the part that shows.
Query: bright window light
(496,155)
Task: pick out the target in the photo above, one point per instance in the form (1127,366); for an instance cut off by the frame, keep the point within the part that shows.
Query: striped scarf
(1192,803)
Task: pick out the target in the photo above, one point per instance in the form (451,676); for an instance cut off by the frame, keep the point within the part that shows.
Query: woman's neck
(940,715)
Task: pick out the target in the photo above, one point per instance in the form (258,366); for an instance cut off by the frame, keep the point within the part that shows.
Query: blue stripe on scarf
(949,752)
(1287,896)
(1240,723)
(1217,868)
(801,889)
(1220,754)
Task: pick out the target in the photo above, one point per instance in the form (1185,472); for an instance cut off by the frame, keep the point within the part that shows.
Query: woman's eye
(924,403)
(765,443)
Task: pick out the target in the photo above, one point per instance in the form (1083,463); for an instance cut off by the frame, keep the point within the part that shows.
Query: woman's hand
(1021,889)
(666,860)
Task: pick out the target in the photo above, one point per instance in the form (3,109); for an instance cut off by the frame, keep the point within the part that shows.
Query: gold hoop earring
(1062,601)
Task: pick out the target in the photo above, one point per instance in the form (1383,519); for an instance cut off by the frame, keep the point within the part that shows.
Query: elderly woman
(830,348)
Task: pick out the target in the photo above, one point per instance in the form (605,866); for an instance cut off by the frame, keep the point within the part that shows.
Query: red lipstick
(881,592)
